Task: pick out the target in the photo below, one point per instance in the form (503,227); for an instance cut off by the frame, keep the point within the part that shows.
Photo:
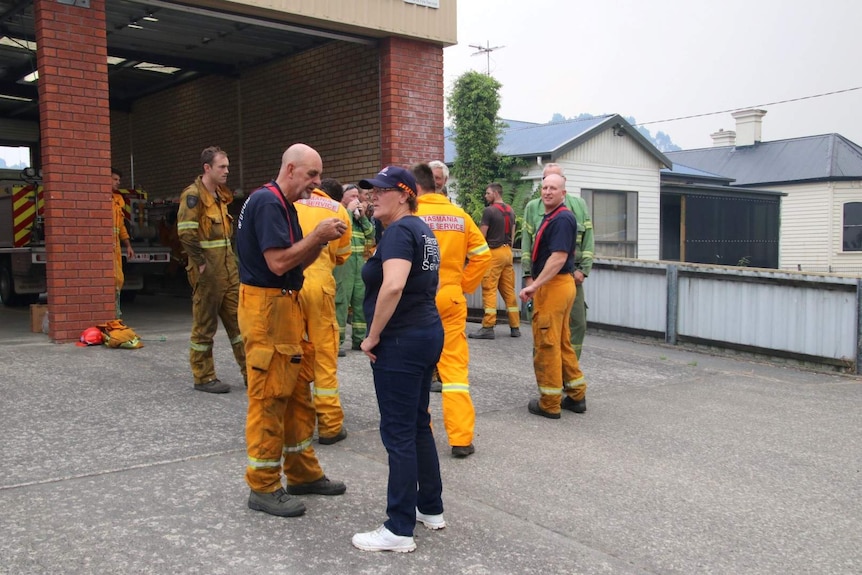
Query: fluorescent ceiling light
(156,68)
(150,18)
(18,43)
(113,60)
(15,98)
(134,26)
(31,77)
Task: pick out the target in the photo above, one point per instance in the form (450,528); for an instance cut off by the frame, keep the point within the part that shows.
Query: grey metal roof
(812,158)
(683,170)
(526,139)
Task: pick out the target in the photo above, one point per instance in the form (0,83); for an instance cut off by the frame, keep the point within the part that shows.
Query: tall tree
(473,107)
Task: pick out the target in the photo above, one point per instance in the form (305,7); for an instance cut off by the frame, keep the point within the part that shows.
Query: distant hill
(661,140)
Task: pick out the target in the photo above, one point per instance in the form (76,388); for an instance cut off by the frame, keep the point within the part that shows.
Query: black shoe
(276,503)
(515,332)
(534,408)
(483,333)
(342,434)
(436,386)
(356,346)
(578,406)
(342,353)
(463,451)
(322,486)
(214,386)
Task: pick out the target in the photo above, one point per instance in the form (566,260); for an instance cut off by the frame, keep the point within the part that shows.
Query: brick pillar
(411,102)
(76,157)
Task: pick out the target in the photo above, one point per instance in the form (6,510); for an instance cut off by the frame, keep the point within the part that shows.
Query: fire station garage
(144,86)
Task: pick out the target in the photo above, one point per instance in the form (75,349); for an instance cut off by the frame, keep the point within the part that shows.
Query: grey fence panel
(630,295)
(765,311)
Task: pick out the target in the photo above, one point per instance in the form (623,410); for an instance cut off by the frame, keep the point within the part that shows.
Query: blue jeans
(402,379)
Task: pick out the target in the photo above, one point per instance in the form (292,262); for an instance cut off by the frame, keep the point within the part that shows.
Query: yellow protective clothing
(500,276)
(460,240)
(205,229)
(280,423)
(317,298)
(554,360)
(121,234)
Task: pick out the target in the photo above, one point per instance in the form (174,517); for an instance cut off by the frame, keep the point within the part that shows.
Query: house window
(853,227)
(615,222)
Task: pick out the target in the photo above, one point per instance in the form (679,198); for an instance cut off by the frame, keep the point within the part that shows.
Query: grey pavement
(684,463)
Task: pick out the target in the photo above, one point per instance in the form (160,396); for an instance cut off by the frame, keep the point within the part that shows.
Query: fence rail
(810,317)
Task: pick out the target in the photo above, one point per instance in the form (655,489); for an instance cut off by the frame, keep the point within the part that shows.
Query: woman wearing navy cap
(403,342)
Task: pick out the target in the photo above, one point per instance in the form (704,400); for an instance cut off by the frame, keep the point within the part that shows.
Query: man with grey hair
(441,176)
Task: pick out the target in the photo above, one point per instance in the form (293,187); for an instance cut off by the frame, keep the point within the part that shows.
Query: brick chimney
(748,125)
(722,138)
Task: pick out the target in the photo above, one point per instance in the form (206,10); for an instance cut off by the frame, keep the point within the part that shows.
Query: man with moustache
(273,252)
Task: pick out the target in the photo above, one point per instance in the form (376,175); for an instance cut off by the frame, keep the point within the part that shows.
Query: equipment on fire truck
(23,253)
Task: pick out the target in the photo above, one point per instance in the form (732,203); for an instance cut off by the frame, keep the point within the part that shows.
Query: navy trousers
(402,379)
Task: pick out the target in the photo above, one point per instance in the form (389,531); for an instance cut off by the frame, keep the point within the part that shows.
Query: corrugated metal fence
(805,316)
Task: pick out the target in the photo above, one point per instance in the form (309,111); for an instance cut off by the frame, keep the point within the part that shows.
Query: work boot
(461,451)
(515,332)
(381,539)
(483,333)
(322,486)
(342,434)
(342,353)
(276,503)
(534,408)
(436,386)
(576,405)
(433,522)
(356,346)
(214,386)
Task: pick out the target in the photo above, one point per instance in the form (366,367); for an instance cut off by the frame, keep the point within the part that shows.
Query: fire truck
(22,240)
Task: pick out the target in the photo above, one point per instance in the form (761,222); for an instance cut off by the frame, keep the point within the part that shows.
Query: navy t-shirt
(409,239)
(262,225)
(560,235)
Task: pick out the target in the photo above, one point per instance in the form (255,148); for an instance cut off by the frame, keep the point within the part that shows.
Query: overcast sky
(663,59)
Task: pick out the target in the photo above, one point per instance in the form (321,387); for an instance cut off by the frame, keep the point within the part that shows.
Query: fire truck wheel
(7,287)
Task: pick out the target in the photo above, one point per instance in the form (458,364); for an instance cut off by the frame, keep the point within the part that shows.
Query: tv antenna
(486,49)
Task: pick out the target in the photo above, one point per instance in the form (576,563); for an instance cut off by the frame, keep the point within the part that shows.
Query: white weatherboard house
(608,163)
(821,213)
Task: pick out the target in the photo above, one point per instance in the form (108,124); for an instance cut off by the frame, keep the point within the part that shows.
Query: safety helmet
(91,336)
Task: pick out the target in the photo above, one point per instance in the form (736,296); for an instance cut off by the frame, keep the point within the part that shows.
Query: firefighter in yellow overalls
(551,286)
(121,234)
(460,240)
(317,298)
(205,229)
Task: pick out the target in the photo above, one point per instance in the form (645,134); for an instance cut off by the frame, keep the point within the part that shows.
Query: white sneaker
(431,521)
(381,539)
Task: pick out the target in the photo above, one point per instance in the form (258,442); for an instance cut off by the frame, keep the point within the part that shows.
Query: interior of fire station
(86,85)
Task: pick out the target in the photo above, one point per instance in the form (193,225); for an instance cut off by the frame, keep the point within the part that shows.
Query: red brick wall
(326,97)
(76,157)
(411,97)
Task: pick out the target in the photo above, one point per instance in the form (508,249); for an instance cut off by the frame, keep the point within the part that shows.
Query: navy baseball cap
(391,177)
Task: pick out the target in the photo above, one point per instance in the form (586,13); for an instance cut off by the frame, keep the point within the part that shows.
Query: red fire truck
(22,240)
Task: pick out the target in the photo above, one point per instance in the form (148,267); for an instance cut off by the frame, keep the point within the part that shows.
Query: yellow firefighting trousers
(554,360)
(214,296)
(459,417)
(500,276)
(318,295)
(280,420)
